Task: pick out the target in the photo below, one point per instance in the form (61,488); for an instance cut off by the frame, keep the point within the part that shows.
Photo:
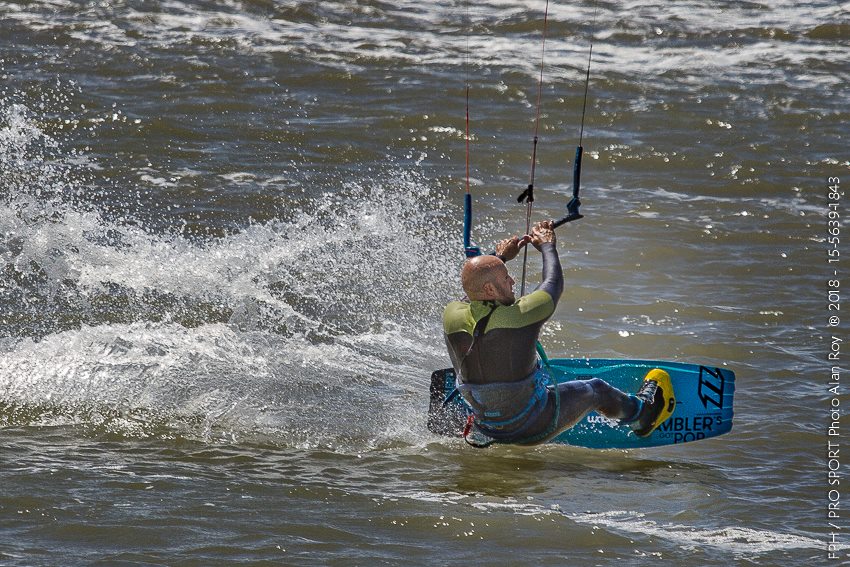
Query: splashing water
(276,332)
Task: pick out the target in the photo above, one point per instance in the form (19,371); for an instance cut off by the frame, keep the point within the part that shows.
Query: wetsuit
(493,352)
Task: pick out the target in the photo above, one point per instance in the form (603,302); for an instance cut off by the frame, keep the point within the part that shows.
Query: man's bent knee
(600,387)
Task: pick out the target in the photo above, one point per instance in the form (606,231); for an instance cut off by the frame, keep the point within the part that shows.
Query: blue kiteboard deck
(703,402)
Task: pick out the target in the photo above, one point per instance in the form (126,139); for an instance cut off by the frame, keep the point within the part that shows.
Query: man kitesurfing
(492,341)
(492,338)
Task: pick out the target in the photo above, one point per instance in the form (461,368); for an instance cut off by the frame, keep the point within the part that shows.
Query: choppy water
(228,230)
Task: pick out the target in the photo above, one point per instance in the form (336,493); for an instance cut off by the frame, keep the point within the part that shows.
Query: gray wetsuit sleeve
(553,275)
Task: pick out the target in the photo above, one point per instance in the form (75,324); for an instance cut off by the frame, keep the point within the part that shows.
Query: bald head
(486,278)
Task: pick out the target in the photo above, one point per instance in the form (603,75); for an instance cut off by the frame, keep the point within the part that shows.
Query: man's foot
(656,393)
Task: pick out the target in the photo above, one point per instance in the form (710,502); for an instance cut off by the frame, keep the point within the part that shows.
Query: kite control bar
(574,204)
(570,217)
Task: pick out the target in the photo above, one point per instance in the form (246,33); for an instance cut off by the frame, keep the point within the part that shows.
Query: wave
(655,42)
(741,542)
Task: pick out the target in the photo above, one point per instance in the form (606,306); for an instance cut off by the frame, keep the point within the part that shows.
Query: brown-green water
(228,229)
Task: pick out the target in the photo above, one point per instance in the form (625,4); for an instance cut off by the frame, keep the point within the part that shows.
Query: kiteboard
(703,408)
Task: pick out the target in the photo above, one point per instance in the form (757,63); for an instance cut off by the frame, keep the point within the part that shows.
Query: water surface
(228,230)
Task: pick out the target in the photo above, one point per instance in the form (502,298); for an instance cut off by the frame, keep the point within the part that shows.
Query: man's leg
(577,399)
(580,397)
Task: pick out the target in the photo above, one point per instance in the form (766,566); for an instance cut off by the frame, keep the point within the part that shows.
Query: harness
(490,404)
